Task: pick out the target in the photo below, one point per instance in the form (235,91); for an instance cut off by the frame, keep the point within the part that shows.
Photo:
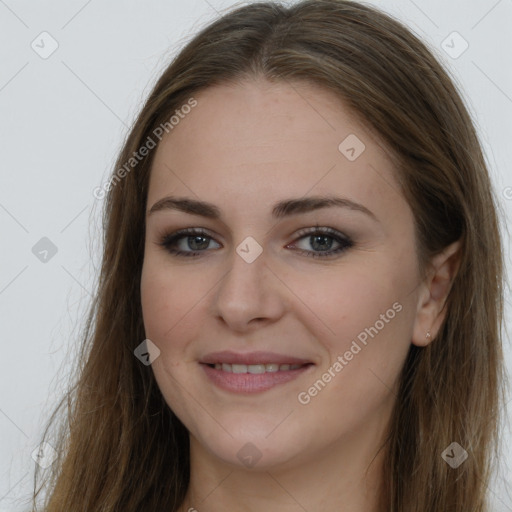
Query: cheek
(170,302)
(349,299)
(169,299)
(363,316)
(366,332)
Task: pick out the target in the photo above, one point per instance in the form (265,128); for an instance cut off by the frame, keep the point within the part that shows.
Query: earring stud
(427,337)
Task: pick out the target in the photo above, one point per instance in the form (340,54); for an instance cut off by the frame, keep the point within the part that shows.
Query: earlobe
(435,289)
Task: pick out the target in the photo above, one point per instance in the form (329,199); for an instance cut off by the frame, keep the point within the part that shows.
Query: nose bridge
(246,292)
(245,276)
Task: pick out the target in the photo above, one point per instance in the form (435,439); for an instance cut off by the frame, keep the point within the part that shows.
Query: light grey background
(62,121)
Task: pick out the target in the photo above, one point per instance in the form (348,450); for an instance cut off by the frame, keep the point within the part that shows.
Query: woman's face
(305,257)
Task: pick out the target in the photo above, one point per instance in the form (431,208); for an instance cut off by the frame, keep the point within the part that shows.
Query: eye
(178,243)
(318,242)
(194,241)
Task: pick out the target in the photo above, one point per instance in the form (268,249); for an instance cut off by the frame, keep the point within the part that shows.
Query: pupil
(195,242)
(325,245)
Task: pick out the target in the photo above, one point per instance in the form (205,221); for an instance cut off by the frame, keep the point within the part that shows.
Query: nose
(249,294)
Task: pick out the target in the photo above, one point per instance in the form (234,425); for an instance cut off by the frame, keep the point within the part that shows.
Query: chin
(253,447)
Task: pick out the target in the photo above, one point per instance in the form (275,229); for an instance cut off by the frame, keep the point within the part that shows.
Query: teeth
(239,368)
(256,368)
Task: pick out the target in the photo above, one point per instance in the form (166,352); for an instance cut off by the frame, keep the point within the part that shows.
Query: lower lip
(251,382)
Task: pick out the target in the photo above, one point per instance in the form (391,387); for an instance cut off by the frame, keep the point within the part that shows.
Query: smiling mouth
(253,378)
(256,368)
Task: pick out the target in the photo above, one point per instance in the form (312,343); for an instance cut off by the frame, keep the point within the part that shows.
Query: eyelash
(169,240)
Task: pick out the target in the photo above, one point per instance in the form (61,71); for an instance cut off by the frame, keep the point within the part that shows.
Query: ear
(433,294)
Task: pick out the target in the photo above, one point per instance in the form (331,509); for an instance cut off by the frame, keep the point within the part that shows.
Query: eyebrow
(280,210)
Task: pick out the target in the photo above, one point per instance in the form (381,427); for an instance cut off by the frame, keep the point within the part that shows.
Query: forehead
(261,140)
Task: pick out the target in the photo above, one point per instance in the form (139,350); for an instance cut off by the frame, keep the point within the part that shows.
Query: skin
(245,147)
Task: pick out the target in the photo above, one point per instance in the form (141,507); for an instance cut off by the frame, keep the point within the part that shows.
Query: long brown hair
(121,448)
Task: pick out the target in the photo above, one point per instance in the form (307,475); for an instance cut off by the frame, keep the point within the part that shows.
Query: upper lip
(229,357)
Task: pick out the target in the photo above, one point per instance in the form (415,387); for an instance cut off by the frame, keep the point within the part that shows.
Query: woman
(300,299)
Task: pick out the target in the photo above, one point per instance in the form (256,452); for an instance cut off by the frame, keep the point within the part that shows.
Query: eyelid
(321,229)
(168,238)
